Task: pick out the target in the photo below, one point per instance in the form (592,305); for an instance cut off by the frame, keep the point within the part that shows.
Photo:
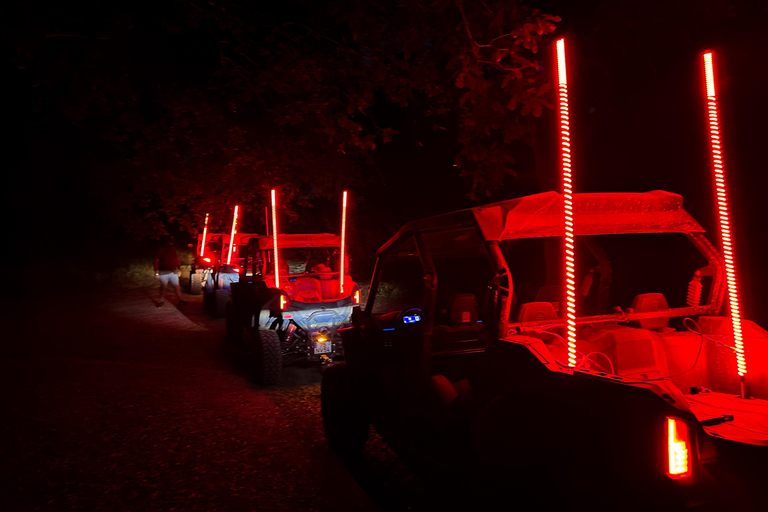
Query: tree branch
(460,6)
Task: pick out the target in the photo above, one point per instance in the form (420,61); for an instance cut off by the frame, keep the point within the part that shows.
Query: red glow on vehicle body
(343,240)
(205,234)
(716,150)
(567,178)
(232,236)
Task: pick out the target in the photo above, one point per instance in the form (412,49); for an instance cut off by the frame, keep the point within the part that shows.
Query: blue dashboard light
(411,319)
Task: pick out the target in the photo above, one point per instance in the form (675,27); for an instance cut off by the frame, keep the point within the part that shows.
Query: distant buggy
(298,319)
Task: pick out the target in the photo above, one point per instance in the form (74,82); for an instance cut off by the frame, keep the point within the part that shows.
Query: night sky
(639,113)
(637,107)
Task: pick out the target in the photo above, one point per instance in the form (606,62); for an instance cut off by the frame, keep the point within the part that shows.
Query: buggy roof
(297,241)
(541,215)
(240,238)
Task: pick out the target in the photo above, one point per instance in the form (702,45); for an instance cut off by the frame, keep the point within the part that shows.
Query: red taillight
(356,297)
(207,260)
(283,302)
(236,269)
(678,449)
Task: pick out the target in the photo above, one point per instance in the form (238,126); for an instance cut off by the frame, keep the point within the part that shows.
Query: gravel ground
(110,403)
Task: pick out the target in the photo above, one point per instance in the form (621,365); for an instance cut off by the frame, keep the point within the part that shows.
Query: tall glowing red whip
(716,149)
(205,234)
(343,242)
(232,236)
(274,237)
(565,155)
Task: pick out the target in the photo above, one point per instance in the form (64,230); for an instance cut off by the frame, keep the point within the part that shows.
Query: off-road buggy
(212,275)
(459,359)
(296,320)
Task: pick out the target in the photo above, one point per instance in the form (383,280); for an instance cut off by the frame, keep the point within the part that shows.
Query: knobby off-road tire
(264,354)
(195,284)
(346,427)
(270,357)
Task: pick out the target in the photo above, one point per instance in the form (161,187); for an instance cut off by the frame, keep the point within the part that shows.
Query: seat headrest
(536,312)
(647,302)
(463,309)
(324,270)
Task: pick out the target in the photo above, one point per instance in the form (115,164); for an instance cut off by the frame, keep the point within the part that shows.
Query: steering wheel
(495,283)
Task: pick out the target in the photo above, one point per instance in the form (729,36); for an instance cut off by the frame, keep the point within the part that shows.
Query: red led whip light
(343,241)
(716,149)
(232,236)
(274,237)
(205,234)
(570,253)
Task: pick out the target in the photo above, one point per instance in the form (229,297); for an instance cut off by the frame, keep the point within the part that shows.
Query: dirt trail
(110,403)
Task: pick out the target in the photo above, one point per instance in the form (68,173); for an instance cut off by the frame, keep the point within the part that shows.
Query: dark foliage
(173,110)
